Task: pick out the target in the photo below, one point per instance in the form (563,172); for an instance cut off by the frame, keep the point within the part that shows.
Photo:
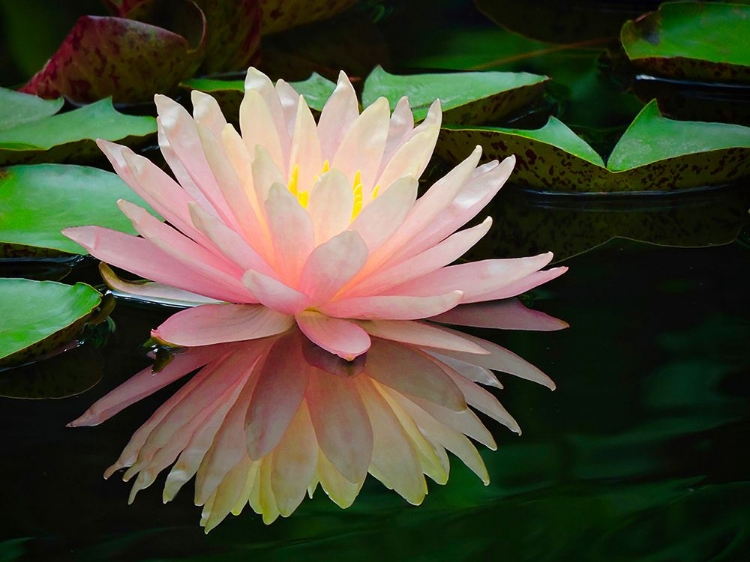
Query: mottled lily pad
(125,59)
(654,154)
(40,316)
(229,93)
(280,15)
(232,34)
(67,136)
(528,223)
(706,41)
(37,202)
(467,98)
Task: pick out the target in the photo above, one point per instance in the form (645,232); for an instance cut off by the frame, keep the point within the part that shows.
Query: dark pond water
(640,454)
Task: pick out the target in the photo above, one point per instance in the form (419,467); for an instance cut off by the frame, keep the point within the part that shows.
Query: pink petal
(509,314)
(401,128)
(474,279)
(522,285)
(330,205)
(180,131)
(305,149)
(340,337)
(143,258)
(158,189)
(331,265)
(412,157)
(382,217)
(262,119)
(410,371)
(228,242)
(219,323)
(277,396)
(361,149)
(150,291)
(448,251)
(421,334)
(291,232)
(339,112)
(207,112)
(391,307)
(341,424)
(274,294)
(289,99)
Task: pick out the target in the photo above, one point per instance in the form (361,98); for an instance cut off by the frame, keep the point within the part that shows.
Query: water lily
(296,222)
(264,422)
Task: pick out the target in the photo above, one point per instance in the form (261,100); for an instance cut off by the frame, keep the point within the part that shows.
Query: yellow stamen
(375,191)
(357,190)
(326,167)
(303,197)
(294,180)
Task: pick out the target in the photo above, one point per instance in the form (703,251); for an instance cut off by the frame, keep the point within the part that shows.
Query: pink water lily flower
(293,221)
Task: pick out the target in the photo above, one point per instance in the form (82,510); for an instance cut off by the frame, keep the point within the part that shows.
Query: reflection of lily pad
(530,223)
(46,137)
(40,316)
(229,93)
(466,98)
(37,202)
(654,154)
(697,40)
(64,375)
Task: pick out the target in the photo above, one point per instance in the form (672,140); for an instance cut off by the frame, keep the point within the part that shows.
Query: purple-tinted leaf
(280,15)
(128,60)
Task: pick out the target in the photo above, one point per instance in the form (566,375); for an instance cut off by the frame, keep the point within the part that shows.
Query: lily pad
(467,98)
(67,136)
(654,154)
(528,223)
(64,375)
(17,108)
(37,202)
(40,316)
(280,15)
(229,93)
(706,41)
(232,34)
(125,59)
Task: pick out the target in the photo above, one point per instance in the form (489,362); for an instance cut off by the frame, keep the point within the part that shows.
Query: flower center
(304,196)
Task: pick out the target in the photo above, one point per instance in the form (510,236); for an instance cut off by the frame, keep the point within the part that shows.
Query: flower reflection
(266,421)
(293,221)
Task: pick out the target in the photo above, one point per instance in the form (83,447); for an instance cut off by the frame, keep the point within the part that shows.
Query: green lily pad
(40,316)
(17,108)
(467,98)
(66,136)
(37,202)
(229,93)
(708,41)
(654,154)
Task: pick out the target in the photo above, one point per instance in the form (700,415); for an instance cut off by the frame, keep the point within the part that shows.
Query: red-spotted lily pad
(37,202)
(654,154)
(467,98)
(125,59)
(41,316)
(42,136)
(705,41)
(229,93)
